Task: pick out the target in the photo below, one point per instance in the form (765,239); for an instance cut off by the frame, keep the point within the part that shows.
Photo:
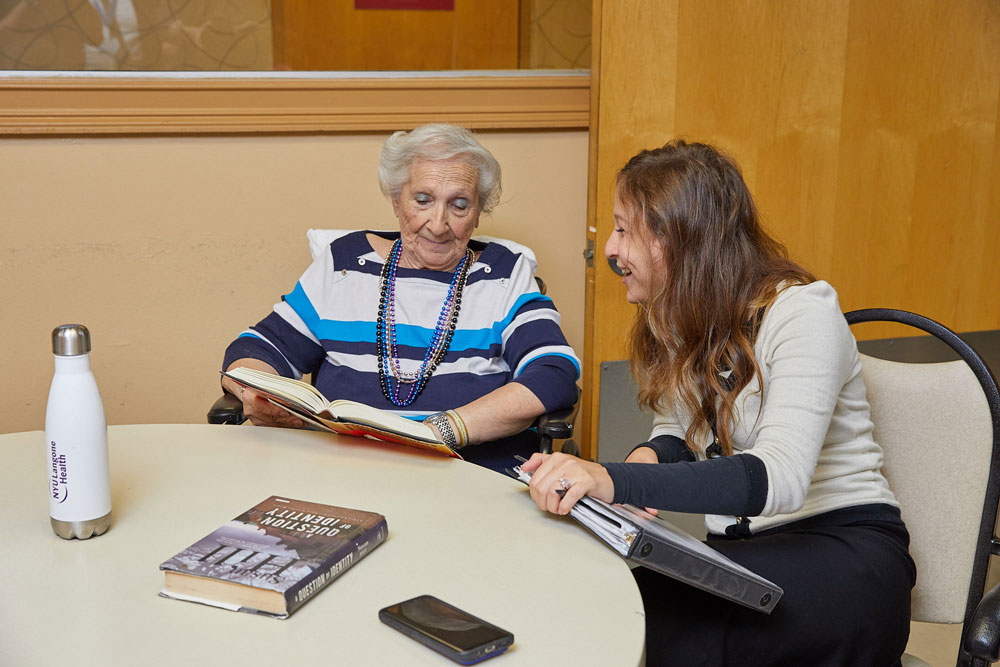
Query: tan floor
(935,643)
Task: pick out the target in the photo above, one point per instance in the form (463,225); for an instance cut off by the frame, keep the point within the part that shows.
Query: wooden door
(866,130)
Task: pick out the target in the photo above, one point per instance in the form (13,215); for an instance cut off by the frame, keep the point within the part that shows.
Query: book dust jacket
(273,557)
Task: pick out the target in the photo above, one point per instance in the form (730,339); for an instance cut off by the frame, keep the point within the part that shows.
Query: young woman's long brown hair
(721,269)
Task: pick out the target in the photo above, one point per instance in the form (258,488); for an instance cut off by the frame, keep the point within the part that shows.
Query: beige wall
(167,247)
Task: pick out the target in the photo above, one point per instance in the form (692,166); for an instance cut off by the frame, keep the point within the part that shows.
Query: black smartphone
(447,629)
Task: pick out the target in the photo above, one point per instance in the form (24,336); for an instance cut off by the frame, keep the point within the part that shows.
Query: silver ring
(564,483)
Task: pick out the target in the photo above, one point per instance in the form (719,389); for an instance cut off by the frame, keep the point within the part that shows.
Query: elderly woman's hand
(554,473)
(256,408)
(262,412)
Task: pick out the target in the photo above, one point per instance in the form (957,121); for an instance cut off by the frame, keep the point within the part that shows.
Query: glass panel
(558,34)
(144,35)
(299,35)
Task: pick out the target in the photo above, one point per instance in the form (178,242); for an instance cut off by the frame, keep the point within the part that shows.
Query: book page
(359,413)
(340,416)
(290,389)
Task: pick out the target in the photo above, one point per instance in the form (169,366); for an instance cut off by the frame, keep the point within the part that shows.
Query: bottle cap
(70,340)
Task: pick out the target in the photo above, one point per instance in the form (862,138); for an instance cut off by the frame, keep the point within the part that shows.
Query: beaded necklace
(385,329)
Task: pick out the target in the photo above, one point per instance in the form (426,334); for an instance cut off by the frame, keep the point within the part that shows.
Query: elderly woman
(423,322)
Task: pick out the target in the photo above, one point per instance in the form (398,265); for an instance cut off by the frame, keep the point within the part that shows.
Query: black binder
(662,547)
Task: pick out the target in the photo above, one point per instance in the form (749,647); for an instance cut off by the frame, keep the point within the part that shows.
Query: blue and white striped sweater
(507,331)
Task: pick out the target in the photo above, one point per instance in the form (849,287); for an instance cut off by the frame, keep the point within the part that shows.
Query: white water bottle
(76,440)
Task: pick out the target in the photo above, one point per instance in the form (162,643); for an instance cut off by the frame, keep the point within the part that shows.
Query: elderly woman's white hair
(437,141)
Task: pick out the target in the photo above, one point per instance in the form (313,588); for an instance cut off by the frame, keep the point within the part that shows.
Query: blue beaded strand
(441,337)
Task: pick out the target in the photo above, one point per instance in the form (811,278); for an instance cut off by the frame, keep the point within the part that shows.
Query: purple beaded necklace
(385,329)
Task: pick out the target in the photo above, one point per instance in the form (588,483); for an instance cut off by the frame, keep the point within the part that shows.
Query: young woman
(761,422)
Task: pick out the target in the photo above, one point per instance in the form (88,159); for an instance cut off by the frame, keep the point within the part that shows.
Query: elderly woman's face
(438,209)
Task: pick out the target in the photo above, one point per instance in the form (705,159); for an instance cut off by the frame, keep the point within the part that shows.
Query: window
(117,66)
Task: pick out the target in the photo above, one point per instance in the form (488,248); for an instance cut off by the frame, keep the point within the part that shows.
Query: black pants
(846,602)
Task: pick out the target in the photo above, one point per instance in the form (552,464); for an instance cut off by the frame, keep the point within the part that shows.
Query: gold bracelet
(463,433)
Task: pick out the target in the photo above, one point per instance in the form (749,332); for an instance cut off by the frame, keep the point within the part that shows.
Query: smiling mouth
(436,243)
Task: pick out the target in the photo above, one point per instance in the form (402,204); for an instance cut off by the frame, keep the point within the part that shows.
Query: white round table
(463,533)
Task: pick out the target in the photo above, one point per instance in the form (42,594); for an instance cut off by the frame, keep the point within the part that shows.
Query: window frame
(71,103)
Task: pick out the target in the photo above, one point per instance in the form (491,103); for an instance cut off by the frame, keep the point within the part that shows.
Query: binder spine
(700,573)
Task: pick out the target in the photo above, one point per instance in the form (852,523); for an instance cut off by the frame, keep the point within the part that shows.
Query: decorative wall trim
(112,104)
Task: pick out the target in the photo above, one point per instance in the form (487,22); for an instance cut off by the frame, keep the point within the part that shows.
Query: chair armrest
(226,410)
(558,424)
(982,636)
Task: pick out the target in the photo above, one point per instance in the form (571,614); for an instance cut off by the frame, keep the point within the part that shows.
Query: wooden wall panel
(477,34)
(866,130)
(989,293)
(621,121)
(917,143)
(763,81)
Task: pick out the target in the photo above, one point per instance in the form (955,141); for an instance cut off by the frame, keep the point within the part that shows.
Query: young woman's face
(638,254)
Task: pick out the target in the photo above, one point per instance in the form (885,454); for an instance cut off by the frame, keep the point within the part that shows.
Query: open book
(341,416)
(662,547)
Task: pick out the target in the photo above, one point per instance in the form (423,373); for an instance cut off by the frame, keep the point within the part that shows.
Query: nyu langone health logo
(60,490)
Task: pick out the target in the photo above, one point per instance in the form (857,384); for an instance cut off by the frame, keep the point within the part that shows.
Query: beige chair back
(933,423)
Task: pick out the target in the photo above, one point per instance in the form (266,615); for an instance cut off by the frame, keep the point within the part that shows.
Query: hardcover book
(660,546)
(340,416)
(274,557)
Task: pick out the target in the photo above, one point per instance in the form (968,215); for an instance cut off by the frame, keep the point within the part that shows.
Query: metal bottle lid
(70,340)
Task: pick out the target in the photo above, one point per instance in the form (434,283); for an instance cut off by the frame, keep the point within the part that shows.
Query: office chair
(939,427)
(556,425)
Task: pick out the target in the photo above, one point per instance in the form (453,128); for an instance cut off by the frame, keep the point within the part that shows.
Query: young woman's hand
(559,480)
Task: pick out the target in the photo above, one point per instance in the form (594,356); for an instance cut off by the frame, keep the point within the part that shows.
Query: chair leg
(570,447)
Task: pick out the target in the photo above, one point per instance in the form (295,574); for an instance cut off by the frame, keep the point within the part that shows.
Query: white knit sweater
(810,425)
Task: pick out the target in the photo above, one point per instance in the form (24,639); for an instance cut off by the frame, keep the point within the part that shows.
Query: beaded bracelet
(463,433)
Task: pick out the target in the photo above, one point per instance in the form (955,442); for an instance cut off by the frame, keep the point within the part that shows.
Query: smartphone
(447,629)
